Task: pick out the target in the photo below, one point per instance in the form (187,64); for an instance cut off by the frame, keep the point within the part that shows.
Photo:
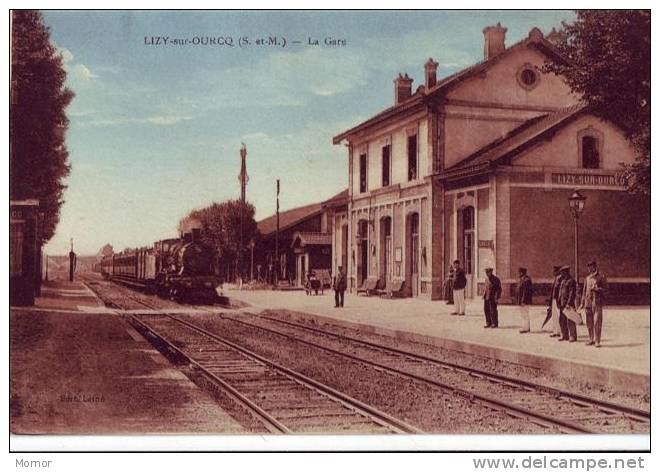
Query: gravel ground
(419,404)
(491,365)
(477,386)
(423,406)
(84,374)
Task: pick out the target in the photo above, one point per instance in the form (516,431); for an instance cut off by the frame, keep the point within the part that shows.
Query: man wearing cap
(592,301)
(492,292)
(567,299)
(554,305)
(460,281)
(524,298)
(339,284)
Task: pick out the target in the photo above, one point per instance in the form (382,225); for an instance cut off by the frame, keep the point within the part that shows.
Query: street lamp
(576,204)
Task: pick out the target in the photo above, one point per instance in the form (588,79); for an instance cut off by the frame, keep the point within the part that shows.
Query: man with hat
(566,299)
(492,292)
(460,282)
(339,285)
(554,305)
(592,301)
(524,298)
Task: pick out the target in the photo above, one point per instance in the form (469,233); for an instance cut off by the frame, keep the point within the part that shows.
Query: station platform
(622,362)
(78,368)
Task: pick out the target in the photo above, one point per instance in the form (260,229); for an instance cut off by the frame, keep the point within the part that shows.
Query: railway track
(283,400)
(551,408)
(566,411)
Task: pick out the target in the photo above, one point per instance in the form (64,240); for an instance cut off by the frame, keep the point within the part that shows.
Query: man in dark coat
(460,282)
(339,285)
(567,292)
(492,293)
(524,298)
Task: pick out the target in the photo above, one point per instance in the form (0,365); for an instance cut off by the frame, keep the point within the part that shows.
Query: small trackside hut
(24,252)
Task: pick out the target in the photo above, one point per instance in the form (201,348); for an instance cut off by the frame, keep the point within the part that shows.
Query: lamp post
(576,204)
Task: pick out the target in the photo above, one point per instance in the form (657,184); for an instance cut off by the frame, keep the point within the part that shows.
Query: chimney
(554,36)
(402,88)
(430,70)
(494,40)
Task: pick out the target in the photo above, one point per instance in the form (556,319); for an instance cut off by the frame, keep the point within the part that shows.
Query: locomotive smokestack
(196,235)
(187,237)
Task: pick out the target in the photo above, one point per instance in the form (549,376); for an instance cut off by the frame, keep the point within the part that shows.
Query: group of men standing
(563,304)
(563,310)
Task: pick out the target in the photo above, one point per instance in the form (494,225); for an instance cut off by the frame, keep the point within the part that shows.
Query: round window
(528,77)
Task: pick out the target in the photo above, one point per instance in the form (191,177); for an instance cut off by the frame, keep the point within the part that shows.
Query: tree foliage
(609,53)
(38,157)
(221,229)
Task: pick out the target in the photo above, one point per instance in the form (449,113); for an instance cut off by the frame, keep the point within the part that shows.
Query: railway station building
(478,166)
(304,241)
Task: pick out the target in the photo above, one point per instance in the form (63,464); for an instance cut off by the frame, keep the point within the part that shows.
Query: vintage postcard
(408,225)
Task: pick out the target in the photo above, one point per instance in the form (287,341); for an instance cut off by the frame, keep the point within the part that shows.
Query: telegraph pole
(277,235)
(243,179)
(72,262)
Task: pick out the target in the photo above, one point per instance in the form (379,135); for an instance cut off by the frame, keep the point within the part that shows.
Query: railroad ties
(564,411)
(283,400)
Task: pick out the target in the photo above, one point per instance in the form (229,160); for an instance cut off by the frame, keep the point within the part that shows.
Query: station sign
(576,179)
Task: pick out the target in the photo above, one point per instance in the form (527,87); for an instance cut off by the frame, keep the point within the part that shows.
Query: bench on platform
(369,286)
(393,288)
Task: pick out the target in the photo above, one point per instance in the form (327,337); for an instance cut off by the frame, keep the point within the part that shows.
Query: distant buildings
(305,241)
(478,166)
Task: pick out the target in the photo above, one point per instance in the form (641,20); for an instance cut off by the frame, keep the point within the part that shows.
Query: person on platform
(592,301)
(449,286)
(567,292)
(554,305)
(492,293)
(524,298)
(339,285)
(459,283)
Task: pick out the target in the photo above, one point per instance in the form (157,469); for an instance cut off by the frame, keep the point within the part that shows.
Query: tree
(105,251)
(609,65)
(38,123)
(221,229)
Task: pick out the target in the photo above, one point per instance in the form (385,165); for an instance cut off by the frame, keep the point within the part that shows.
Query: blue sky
(156,130)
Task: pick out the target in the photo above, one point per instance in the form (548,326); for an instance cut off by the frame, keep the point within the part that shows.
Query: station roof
(514,142)
(311,239)
(294,216)
(423,96)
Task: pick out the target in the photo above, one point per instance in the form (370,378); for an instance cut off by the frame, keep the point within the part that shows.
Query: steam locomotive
(181,269)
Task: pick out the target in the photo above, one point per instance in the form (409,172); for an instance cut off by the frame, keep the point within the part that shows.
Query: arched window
(414,242)
(468,238)
(590,148)
(386,247)
(590,155)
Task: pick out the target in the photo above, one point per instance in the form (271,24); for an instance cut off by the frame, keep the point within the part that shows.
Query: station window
(363,173)
(386,165)
(412,157)
(590,155)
